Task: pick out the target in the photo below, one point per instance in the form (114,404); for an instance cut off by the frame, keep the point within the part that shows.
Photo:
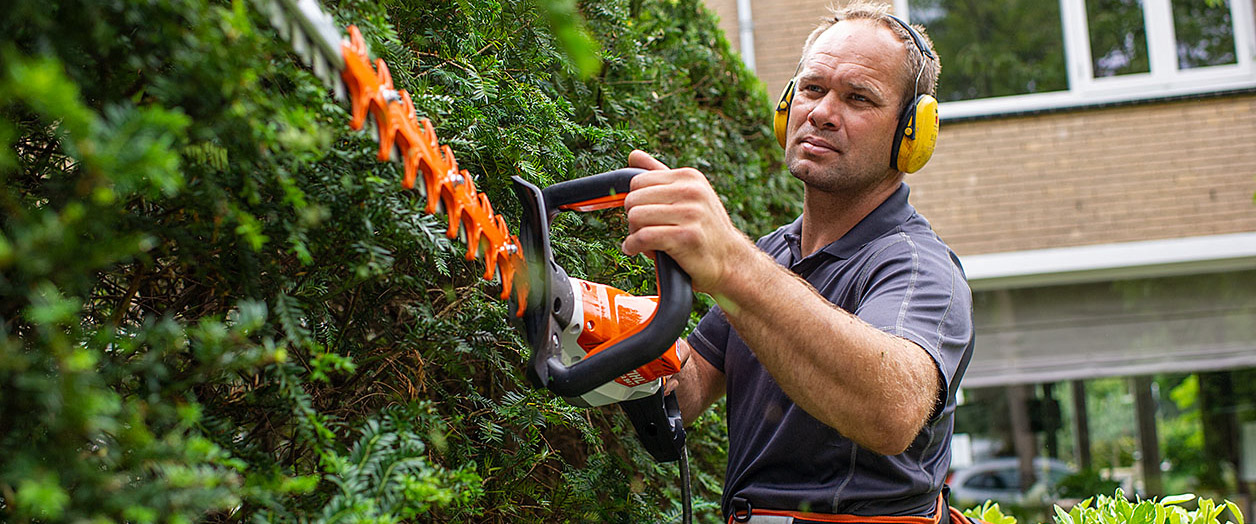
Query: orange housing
(612,315)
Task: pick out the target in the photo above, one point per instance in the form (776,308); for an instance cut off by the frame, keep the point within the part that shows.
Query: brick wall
(780,28)
(1142,172)
(726,10)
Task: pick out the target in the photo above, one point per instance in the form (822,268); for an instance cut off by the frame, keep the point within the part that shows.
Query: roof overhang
(1097,263)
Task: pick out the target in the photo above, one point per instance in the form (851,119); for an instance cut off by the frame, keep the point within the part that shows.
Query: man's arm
(874,388)
(698,384)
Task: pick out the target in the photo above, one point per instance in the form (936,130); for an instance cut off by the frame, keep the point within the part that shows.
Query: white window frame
(1164,80)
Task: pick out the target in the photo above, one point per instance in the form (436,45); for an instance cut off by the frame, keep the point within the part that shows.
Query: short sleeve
(710,338)
(914,289)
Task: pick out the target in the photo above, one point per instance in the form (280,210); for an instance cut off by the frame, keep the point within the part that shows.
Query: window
(991,49)
(1118,37)
(1028,55)
(1204,37)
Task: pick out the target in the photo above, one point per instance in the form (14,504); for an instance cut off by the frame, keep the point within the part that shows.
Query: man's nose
(826,113)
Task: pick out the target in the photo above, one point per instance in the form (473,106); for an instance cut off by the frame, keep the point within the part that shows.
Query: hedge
(215,305)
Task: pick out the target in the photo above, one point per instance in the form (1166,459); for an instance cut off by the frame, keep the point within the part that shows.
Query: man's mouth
(817,145)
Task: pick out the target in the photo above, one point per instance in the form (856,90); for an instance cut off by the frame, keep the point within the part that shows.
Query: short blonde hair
(920,71)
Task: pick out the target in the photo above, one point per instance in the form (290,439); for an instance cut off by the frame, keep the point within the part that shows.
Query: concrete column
(1148,439)
(1081,425)
(1022,435)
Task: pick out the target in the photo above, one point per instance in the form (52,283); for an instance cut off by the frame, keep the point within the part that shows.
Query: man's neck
(828,216)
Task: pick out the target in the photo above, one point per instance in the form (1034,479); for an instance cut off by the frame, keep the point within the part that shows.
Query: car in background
(998,480)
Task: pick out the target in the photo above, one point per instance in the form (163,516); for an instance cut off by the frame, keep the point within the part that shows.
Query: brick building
(1095,172)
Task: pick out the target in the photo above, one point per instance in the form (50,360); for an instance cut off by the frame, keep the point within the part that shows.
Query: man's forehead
(867,44)
(860,36)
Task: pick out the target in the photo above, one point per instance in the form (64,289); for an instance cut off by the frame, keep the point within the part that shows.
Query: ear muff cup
(781,120)
(914,139)
(916,136)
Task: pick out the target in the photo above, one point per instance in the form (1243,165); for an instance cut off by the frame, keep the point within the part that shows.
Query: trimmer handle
(659,424)
(601,191)
(658,333)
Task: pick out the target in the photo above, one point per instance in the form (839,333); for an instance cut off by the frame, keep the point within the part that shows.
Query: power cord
(686,493)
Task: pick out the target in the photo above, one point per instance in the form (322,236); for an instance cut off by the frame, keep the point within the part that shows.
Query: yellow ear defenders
(781,120)
(917,131)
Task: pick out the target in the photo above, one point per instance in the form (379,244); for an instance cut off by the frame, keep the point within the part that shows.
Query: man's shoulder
(777,238)
(912,241)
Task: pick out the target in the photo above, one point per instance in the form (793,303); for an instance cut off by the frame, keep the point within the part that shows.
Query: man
(840,338)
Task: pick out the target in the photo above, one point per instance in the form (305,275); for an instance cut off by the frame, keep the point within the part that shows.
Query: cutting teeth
(313,35)
(343,63)
(339,89)
(374,127)
(323,71)
(320,68)
(299,43)
(277,19)
(421,185)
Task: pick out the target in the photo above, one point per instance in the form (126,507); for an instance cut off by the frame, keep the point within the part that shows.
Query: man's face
(846,108)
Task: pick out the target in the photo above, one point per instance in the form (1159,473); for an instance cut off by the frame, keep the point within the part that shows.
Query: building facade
(1095,172)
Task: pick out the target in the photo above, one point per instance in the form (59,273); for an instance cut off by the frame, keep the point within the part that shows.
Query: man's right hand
(677,211)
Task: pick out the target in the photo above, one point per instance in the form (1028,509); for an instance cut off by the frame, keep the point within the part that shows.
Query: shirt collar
(893,212)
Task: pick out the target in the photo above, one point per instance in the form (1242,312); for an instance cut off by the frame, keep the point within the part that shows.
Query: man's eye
(812,88)
(860,98)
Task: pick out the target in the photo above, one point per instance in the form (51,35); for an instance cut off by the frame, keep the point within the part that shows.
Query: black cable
(685,494)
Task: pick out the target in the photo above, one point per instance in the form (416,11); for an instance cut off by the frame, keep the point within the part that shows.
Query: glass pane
(1118,37)
(995,48)
(1205,34)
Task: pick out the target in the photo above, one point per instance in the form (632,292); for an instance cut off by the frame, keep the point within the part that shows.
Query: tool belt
(945,514)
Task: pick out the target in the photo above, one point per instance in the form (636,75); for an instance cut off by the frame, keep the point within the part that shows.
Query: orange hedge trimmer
(593,344)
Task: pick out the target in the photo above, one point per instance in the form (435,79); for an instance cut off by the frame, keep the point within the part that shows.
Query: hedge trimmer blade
(313,36)
(403,136)
(632,340)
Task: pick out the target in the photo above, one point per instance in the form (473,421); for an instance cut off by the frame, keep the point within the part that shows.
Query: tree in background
(995,47)
(216,305)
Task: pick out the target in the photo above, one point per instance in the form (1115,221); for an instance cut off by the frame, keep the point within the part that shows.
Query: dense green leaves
(1117,509)
(216,305)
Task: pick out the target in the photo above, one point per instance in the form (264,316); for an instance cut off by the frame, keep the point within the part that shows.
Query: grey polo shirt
(893,272)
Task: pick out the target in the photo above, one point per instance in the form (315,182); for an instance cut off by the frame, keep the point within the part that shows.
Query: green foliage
(989,512)
(575,40)
(1111,418)
(1117,509)
(216,305)
(1182,427)
(1083,483)
(1169,510)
